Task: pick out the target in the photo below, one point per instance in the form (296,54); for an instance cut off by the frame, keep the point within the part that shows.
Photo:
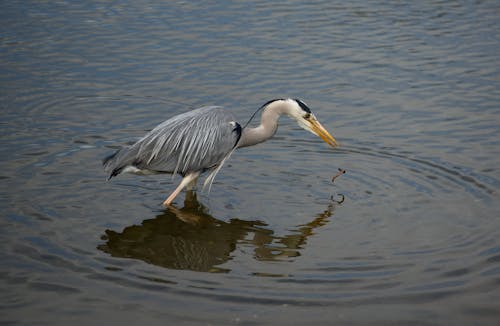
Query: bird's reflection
(190,238)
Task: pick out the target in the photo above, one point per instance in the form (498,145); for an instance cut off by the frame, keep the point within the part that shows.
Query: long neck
(267,128)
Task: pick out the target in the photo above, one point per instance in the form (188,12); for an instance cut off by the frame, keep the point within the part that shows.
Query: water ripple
(409,89)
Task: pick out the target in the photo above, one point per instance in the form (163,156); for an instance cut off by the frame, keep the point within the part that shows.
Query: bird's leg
(190,192)
(192,185)
(185,181)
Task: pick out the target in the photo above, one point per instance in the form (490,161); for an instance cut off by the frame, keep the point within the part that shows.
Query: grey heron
(203,139)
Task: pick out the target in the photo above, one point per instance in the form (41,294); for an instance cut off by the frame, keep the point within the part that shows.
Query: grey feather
(194,141)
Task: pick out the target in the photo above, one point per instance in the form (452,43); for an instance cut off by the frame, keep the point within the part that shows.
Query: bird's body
(195,141)
(199,140)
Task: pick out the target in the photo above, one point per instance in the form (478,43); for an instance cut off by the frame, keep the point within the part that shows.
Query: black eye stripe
(302,105)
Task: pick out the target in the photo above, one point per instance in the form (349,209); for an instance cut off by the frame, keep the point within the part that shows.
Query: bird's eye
(306,116)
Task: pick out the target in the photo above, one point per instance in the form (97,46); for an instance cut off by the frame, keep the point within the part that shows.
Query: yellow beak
(321,132)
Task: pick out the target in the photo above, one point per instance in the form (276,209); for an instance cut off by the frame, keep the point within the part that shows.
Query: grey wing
(194,141)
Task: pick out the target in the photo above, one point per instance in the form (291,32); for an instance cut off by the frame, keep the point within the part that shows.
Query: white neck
(268,123)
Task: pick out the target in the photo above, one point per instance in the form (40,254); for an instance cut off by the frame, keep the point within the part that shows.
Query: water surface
(411,91)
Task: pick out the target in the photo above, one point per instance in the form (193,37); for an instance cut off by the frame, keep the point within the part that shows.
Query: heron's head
(301,113)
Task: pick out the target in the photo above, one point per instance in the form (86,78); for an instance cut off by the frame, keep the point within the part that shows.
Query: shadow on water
(189,238)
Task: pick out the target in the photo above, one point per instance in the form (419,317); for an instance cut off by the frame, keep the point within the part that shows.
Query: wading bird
(203,139)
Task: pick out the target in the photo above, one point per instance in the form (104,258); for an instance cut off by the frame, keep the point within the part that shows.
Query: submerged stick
(341,171)
(338,201)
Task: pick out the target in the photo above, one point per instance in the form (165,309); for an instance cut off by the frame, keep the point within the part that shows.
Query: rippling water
(411,91)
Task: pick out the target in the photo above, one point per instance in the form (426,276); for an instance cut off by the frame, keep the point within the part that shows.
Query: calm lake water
(411,90)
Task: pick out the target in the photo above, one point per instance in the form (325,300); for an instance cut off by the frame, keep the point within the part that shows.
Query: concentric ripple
(409,235)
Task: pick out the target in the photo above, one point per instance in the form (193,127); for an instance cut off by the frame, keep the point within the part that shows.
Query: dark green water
(410,90)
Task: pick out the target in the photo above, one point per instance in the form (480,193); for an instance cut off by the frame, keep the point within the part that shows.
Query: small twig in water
(341,171)
(338,201)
